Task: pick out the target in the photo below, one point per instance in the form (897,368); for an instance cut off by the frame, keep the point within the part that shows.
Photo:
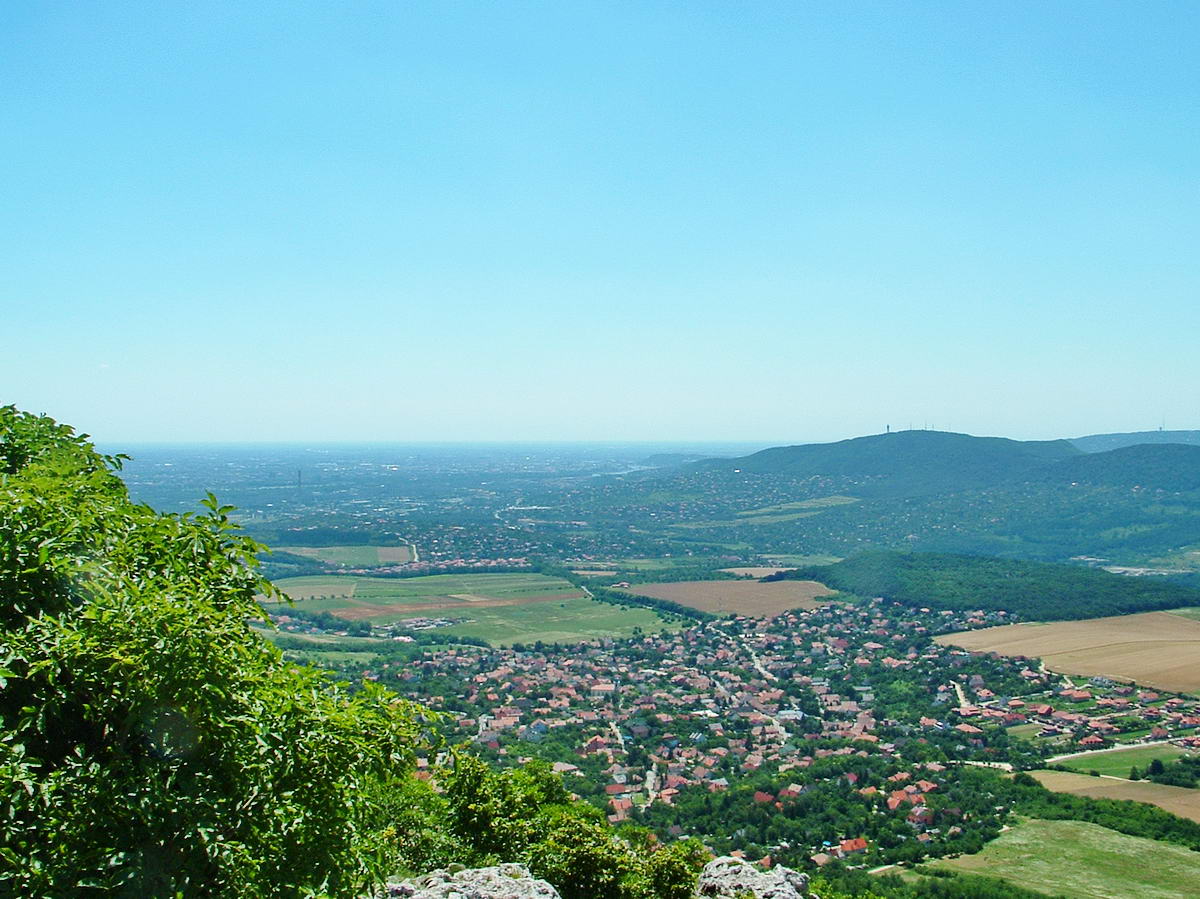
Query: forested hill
(926,491)
(1166,466)
(1099,443)
(1033,590)
(905,463)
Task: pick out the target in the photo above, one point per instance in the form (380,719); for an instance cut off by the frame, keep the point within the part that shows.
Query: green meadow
(1117,762)
(535,606)
(1084,861)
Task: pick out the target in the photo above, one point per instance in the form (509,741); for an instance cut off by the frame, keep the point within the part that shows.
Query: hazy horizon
(680,445)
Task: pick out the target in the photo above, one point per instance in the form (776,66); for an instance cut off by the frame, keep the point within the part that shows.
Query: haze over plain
(546,221)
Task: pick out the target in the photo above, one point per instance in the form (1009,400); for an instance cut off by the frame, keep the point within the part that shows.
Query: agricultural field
(776,514)
(793,560)
(1158,649)
(740,597)
(1179,801)
(387,599)
(565,621)
(500,608)
(1083,861)
(1117,762)
(353,556)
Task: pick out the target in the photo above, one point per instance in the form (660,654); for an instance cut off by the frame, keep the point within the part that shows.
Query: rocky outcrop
(499,882)
(727,878)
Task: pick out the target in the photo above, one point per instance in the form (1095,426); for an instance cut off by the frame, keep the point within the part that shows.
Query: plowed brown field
(740,597)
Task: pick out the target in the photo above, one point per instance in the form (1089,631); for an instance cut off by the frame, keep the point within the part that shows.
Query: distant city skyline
(582,222)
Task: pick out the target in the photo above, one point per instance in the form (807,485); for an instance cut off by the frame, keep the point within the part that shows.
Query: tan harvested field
(585,573)
(755,571)
(1179,801)
(1153,648)
(741,597)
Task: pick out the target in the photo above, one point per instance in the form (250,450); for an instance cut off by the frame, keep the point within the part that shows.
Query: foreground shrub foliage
(525,815)
(151,743)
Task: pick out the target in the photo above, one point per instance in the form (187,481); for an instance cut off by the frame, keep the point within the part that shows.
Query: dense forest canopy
(1033,590)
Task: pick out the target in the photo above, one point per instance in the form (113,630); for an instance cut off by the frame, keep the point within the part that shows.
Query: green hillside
(1033,590)
(932,492)
(1164,466)
(905,462)
(1098,443)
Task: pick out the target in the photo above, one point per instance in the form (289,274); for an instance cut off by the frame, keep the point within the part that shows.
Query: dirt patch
(1176,800)
(394,555)
(1153,648)
(740,597)
(356,613)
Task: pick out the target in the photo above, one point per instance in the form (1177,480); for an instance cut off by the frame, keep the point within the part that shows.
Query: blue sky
(617,221)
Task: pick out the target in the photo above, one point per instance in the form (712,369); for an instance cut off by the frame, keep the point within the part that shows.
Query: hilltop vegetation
(1033,590)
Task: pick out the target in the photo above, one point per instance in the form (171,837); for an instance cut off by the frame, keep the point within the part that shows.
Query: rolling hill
(1167,466)
(905,463)
(1098,443)
(930,491)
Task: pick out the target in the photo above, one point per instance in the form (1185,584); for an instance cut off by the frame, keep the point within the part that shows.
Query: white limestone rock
(727,878)
(499,882)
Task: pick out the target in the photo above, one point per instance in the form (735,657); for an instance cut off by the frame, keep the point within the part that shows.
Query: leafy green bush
(526,815)
(150,743)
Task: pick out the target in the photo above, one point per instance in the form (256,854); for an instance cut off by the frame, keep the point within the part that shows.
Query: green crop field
(1117,762)
(328,593)
(1084,861)
(569,621)
(501,608)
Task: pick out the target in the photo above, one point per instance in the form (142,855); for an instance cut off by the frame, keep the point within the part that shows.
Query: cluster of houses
(1093,715)
(634,722)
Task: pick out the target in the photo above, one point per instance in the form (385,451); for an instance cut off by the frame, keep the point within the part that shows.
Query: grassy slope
(1076,859)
